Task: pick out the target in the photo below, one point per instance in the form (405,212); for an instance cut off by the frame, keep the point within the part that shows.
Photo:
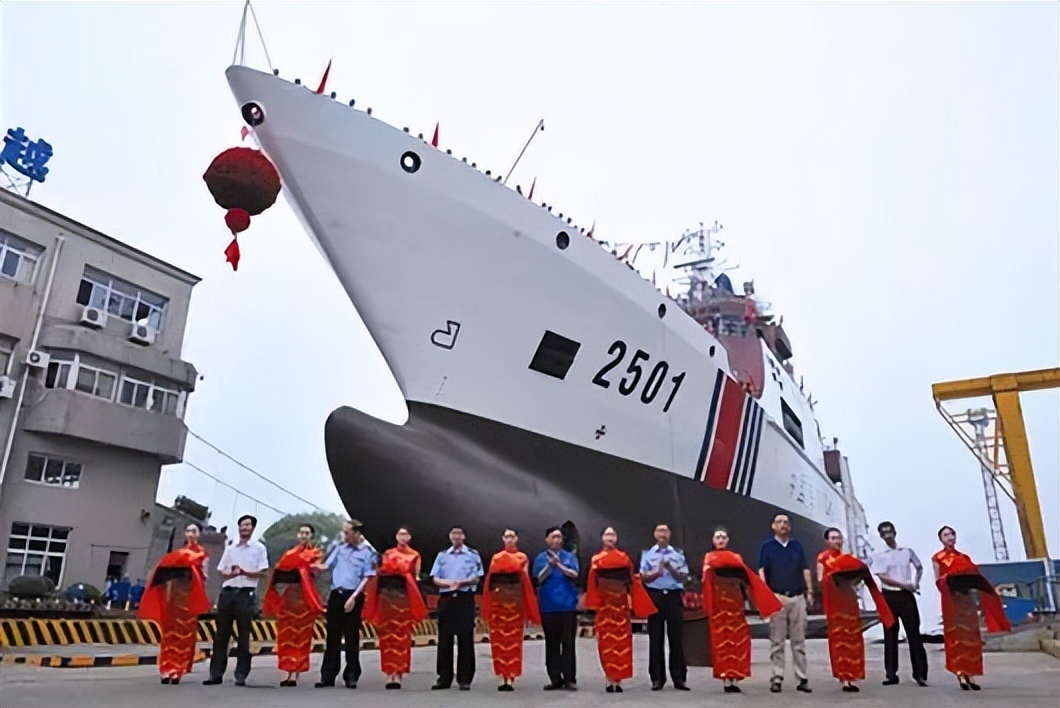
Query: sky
(886,173)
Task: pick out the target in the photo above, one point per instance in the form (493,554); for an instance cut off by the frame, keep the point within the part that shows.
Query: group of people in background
(384,590)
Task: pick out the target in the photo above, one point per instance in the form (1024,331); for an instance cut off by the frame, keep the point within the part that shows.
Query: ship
(548,382)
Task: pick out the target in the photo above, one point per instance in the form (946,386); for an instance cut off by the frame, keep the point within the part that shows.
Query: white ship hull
(459,278)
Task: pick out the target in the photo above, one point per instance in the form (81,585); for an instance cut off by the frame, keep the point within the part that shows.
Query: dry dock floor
(1012,679)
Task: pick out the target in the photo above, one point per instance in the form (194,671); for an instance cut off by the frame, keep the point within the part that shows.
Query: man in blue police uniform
(664,570)
(351,563)
(456,572)
(556,569)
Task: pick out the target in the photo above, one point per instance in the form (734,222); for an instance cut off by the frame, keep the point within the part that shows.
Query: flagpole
(540,126)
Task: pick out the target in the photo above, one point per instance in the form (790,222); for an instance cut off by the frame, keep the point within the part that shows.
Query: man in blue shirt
(351,563)
(456,572)
(556,570)
(783,566)
(664,570)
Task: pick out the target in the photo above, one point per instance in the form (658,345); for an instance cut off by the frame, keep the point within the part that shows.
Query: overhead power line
(252,471)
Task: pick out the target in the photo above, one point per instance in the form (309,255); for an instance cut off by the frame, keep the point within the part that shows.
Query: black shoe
(211,681)
(284,684)
(440,687)
(393,685)
(351,684)
(964,686)
(890,681)
(506,687)
(618,689)
(851,689)
(571,686)
(464,686)
(174,682)
(165,680)
(775,684)
(324,684)
(241,682)
(731,689)
(681,687)
(656,685)
(609,689)
(553,686)
(920,682)
(974,686)
(292,684)
(804,686)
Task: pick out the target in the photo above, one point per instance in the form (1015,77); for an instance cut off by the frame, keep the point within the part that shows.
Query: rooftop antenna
(238,54)
(540,126)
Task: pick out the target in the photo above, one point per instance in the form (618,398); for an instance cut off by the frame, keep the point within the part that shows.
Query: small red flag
(324,78)
(434,140)
(232,254)
(244,132)
(532,185)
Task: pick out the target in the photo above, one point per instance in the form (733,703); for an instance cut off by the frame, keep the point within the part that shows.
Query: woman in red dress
(839,575)
(725,578)
(956,576)
(293,600)
(615,591)
(174,598)
(508,603)
(393,603)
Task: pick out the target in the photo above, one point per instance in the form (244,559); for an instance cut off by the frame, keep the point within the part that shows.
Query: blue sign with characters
(26,156)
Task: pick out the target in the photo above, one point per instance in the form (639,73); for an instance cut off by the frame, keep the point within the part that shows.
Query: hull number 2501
(635,372)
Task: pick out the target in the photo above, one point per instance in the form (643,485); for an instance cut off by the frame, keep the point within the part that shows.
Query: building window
(120,299)
(33,549)
(53,471)
(95,382)
(5,358)
(18,258)
(141,394)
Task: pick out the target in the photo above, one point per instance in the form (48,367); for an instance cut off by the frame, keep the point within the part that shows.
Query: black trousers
(238,605)
(342,625)
(560,630)
(456,618)
(668,622)
(903,606)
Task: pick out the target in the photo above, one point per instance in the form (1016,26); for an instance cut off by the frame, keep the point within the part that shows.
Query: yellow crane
(1015,474)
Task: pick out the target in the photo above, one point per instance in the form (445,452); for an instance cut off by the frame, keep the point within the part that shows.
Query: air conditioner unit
(7,387)
(142,334)
(93,317)
(38,359)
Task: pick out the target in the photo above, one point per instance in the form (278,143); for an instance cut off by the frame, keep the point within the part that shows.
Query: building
(92,395)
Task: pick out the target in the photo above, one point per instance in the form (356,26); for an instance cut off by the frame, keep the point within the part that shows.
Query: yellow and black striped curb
(41,632)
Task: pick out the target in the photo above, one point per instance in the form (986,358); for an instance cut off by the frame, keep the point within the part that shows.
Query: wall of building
(121,448)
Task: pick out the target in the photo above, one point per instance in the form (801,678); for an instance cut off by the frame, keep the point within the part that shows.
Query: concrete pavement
(1023,679)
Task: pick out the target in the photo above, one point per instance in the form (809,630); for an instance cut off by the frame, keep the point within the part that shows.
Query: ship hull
(445,467)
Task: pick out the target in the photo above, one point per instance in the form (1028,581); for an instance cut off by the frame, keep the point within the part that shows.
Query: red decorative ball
(243,178)
(237,220)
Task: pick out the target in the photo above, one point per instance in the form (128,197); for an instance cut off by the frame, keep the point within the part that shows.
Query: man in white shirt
(892,567)
(241,565)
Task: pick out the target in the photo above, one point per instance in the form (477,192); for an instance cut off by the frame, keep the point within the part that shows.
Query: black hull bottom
(445,467)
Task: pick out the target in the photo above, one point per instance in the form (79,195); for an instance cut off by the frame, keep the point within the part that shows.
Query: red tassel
(232,254)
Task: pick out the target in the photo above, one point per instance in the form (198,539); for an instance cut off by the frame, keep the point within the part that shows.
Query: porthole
(662,311)
(711,351)
(562,240)
(253,114)
(410,162)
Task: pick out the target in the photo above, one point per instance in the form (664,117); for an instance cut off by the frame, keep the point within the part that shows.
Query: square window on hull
(554,355)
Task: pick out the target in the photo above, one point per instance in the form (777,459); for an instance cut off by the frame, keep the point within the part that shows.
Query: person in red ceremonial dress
(725,578)
(615,591)
(956,576)
(175,597)
(394,605)
(293,600)
(508,603)
(839,575)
